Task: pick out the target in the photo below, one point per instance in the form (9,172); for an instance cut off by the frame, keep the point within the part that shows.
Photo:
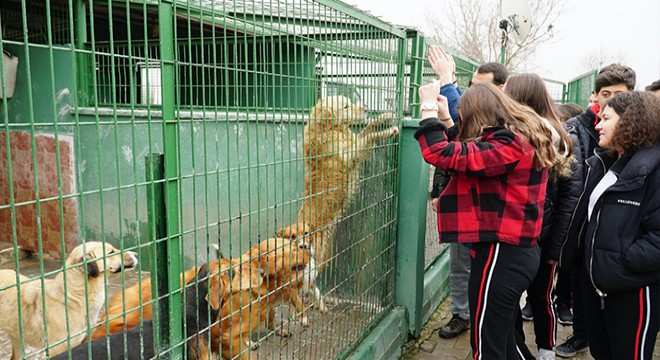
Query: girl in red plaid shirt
(499,158)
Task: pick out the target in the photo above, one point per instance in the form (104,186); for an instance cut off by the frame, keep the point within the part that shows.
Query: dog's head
(299,233)
(229,276)
(99,257)
(338,111)
(279,256)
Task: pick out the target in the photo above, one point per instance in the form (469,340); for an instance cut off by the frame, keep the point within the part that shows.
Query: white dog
(85,264)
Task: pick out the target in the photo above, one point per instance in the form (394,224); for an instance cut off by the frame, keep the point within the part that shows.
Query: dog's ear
(215,292)
(286,232)
(92,266)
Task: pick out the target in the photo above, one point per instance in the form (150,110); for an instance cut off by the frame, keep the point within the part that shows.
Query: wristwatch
(429,106)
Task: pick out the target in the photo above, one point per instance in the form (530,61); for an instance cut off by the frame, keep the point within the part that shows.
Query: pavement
(430,346)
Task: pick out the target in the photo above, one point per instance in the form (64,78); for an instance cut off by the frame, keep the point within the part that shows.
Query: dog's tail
(218,253)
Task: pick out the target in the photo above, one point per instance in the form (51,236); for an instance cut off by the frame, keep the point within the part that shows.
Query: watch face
(429,106)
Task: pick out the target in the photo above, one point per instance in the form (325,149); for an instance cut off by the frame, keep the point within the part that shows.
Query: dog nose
(303,245)
(262,272)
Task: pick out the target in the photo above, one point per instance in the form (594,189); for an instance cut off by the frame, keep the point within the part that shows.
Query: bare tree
(600,58)
(472,27)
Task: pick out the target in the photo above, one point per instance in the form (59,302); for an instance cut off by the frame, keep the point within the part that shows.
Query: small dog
(333,158)
(85,265)
(208,290)
(301,233)
(283,263)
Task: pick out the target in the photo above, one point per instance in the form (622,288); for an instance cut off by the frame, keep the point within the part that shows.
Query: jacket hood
(562,165)
(642,163)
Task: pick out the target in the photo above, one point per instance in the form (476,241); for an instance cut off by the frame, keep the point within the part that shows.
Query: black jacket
(622,240)
(581,130)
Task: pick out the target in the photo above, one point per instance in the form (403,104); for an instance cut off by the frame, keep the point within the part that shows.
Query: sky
(630,28)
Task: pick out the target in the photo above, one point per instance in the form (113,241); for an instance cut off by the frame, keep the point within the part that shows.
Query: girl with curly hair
(619,213)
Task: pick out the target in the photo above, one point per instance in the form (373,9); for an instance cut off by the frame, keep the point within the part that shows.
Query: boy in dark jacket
(611,80)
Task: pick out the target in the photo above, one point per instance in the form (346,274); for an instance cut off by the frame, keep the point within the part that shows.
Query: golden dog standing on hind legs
(84,265)
(333,157)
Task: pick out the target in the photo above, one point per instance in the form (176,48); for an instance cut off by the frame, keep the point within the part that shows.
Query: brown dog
(84,287)
(283,262)
(118,321)
(333,158)
(220,290)
(204,296)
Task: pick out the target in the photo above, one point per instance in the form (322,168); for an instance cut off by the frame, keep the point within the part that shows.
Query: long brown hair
(484,105)
(529,89)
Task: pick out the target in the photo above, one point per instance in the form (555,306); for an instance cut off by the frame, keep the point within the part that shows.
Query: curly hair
(639,121)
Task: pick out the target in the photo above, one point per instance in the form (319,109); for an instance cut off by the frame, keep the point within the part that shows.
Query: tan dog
(301,234)
(84,265)
(283,262)
(333,157)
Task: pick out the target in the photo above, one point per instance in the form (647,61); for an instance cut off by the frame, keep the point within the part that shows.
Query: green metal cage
(165,127)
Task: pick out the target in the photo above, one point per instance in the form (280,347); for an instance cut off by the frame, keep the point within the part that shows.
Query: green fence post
(172,182)
(158,251)
(82,58)
(413,191)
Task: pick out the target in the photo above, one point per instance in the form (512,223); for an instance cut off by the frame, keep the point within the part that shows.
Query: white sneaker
(544,354)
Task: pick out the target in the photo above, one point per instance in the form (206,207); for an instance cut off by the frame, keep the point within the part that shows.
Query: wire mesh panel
(557,90)
(142,134)
(580,88)
(433,248)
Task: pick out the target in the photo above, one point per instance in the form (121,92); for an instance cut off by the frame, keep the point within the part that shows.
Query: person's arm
(451,93)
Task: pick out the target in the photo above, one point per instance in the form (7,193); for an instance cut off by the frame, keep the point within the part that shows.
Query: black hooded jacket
(622,239)
(581,130)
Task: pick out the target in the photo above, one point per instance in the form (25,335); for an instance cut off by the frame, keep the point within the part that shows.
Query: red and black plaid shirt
(494,194)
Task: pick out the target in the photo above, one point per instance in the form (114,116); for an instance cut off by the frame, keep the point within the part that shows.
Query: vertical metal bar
(172,184)
(413,184)
(157,232)
(82,57)
(413,191)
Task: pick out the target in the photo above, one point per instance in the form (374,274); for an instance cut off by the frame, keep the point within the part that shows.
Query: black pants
(540,295)
(625,328)
(500,274)
(579,321)
(563,288)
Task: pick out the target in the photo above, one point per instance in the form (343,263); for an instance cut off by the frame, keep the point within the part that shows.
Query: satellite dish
(518,17)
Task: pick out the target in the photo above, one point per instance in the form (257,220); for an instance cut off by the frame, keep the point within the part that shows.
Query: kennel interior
(165,127)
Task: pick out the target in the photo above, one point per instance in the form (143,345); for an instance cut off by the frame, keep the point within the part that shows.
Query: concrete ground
(430,346)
